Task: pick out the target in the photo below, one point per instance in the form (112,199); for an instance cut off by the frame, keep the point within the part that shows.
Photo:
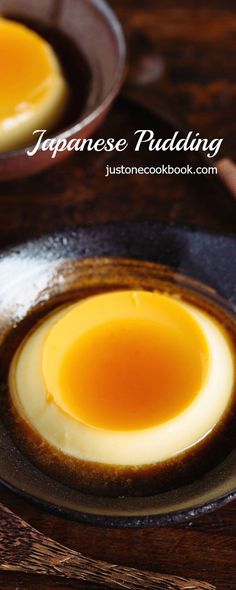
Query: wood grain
(196,43)
(24,549)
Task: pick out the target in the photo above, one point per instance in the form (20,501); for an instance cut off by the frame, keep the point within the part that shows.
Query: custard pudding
(125,380)
(34,92)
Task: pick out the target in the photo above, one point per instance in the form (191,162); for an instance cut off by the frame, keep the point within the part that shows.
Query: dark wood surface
(25,549)
(196,42)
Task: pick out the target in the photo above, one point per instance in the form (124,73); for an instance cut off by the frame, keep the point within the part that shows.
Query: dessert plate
(38,275)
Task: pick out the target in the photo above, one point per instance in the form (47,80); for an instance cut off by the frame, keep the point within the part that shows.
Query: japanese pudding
(34,92)
(120,392)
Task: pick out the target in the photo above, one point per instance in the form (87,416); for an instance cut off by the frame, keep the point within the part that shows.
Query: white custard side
(133,448)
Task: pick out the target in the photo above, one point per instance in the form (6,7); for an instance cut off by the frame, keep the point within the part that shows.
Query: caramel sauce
(134,374)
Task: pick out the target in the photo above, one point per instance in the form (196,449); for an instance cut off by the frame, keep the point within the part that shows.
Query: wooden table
(196,42)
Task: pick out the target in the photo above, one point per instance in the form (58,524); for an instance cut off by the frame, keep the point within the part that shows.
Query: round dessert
(117,385)
(34,92)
